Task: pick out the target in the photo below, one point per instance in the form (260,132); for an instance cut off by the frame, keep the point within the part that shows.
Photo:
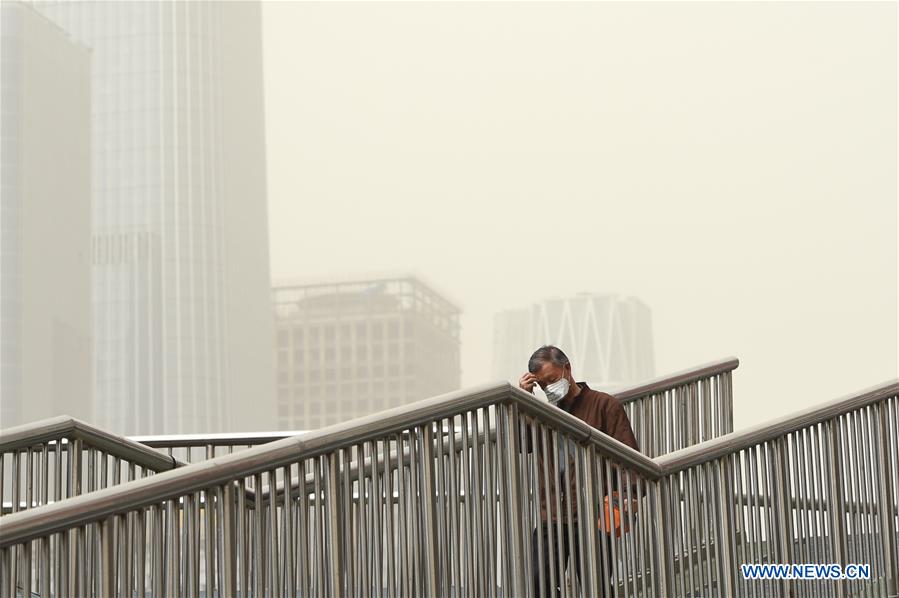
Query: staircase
(440,498)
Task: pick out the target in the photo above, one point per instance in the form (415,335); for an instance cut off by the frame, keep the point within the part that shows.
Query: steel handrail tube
(56,428)
(670,381)
(192,478)
(221,470)
(215,439)
(35,433)
(746,497)
(773,428)
(625,395)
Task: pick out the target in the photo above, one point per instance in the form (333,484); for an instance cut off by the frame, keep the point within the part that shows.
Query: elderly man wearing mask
(550,369)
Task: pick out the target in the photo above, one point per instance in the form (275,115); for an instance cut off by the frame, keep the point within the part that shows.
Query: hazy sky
(733,165)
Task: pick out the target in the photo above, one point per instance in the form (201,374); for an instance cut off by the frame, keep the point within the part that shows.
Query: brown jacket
(603,412)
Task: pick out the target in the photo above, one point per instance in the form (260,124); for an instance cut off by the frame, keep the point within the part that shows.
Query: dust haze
(732,165)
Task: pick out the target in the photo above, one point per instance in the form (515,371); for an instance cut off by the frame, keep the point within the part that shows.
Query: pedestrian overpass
(440,498)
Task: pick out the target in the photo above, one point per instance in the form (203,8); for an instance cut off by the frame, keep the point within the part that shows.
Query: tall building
(350,349)
(45,192)
(181,289)
(608,338)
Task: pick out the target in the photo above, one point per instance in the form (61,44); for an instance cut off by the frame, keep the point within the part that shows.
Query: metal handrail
(33,434)
(60,457)
(644,402)
(195,477)
(670,381)
(773,428)
(192,478)
(681,395)
(219,439)
(466,516)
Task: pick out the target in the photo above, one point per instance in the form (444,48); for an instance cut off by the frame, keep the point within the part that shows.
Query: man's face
(549,373)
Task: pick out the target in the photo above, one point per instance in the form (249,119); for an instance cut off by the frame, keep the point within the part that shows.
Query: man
(550,369)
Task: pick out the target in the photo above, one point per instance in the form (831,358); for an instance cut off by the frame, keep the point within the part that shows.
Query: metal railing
(682,409)
(818,487)
(192,448)
(60,457)
(667,413)
(389,505)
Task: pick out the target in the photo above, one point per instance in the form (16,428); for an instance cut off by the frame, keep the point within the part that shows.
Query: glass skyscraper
(182,314)
(45,234)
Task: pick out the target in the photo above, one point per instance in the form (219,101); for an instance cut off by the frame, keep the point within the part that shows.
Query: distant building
(349,349)
(181,286)
(607,337)
(45,174)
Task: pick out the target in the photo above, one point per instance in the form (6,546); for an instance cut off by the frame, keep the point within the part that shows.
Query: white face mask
(557,391)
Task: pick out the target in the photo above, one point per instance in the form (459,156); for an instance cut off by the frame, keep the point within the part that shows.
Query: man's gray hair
(546,353)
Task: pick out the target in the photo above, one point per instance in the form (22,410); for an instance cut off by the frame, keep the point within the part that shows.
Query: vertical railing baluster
(377,506)
(106,556)
(693,533)
(443,554)
(783,504)
(82,570)
(588,518)
(474,502)
(3,470)
(512,503)
(140,552)
(887,496)
(808,498)
(711,515)
(7,577)
(274,573)
(336,565)
(490,452)
(562,528)
(58,555)
(795,479)
(642,529)
(209,523)
(542,555)
(173,545)
(258,568)
(287,532)
(304,558)
(42,568)
(709,411)
(662,546)
(403,531)
(618,537)
(415,508)
(529,506)
(362,550)
(244,555)
(15,550)
(230,540)
(865,433)
(389,519)
(426,466)
(26,568)
(767,488)
(469,546)
(545,452)
(159,544)
(727,561)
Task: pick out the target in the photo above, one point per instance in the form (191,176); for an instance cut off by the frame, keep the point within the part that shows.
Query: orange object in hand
(614,517)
